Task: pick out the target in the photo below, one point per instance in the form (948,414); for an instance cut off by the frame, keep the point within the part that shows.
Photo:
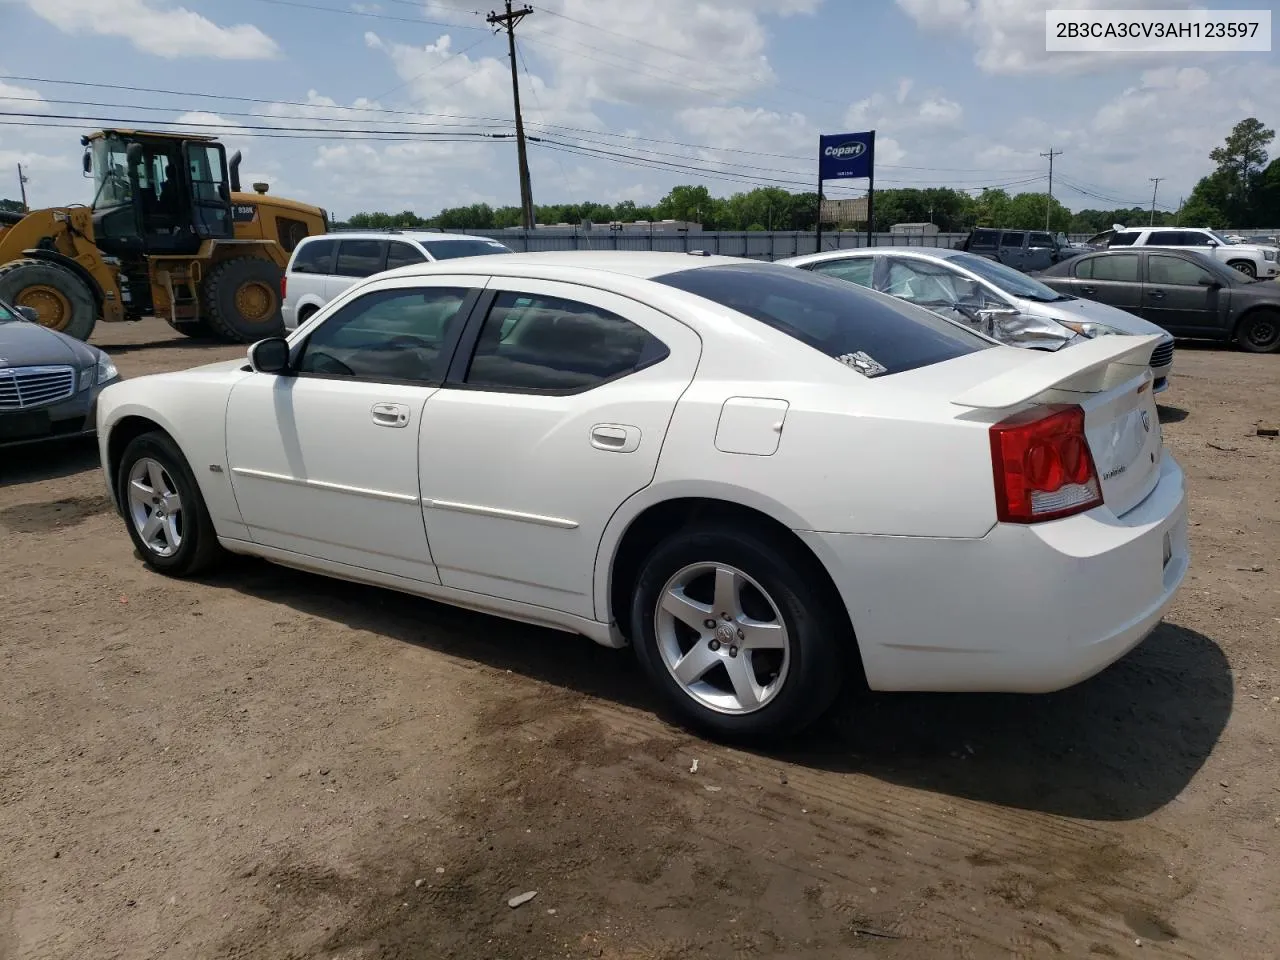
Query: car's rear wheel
(738,633)
(1259,331)
(1245,267)
(163,510)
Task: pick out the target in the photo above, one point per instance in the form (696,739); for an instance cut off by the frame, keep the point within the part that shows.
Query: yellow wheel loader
(168,234)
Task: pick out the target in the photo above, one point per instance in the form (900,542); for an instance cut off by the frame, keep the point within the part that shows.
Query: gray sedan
(49,382)
(1183,291)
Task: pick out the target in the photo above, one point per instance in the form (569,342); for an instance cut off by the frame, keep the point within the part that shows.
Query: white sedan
(754,475)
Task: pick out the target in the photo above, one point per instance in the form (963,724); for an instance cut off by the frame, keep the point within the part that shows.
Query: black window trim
(382,257)
(386,253)
(464,350)
(443,363)
(309,242)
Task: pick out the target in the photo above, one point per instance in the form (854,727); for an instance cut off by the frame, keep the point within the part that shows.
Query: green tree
(11,206)
(1240,159)
(686,202)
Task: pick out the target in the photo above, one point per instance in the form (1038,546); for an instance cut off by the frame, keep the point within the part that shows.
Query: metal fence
(756,244)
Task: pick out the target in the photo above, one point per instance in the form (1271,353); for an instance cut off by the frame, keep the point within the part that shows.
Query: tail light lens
(1043,467)
(284,285)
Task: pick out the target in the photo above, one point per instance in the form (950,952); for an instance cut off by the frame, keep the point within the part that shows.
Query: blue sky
(960,92)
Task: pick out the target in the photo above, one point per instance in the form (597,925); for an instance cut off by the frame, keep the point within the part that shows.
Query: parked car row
(990,297)
(1256,261)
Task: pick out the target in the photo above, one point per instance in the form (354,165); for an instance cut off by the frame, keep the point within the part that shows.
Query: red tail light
(284,285)
(1043,467)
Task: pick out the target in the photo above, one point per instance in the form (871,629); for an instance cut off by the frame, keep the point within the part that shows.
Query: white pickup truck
(1252,260)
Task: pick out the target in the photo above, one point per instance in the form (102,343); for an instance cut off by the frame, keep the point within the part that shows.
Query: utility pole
(1155,185)
(1048,207)
(509,21)
(1177,217)
(22,185)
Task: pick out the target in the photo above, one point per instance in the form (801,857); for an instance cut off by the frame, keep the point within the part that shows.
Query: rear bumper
(1025,609)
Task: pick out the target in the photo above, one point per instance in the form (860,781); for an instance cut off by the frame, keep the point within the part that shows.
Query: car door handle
(1088,289)
(615,437)
(1156,294)
(390,414)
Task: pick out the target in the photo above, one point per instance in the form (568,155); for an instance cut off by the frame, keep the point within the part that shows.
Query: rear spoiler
(1087,367)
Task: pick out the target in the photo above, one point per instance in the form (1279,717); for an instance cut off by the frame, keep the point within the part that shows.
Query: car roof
(422,236)
(642,265)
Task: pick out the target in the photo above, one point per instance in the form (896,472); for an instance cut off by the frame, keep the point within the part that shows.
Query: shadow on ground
(1116,747)
(1171,414)
(177,343)
(47,461)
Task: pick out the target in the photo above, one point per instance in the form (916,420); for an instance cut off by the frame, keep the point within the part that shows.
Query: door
(206,167)
(324,461)
(1011,249)
(1110,278)
(356,260)
(402,254)
(541,432)
(1041,248)
(1182,296)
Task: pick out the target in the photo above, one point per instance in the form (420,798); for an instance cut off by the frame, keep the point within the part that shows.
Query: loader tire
(242,300)
(196,329)
(63,301)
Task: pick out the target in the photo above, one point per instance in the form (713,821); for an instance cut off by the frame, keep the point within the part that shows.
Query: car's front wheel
(163,509)
(739,632)
(1245,267)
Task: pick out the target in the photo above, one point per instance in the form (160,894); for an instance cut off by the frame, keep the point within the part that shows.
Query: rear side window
(359,258)
(872,333)
(401,254)
(553,345)
(452,249)
(314,257)
(854,270)
(1123,268)
(1169,238)
(1122,240)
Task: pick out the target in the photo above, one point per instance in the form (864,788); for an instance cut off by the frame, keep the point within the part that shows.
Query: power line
(369,14)
(124,121)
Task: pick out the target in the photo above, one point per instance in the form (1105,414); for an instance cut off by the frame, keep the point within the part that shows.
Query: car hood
(23,343)
(1079,310)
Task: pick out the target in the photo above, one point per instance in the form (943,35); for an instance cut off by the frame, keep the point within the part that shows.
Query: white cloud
(1009,35)
(167,32)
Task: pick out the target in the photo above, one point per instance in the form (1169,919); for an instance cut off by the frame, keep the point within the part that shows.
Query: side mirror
(270,355)
(1213,243)
(88,163)
(28,313)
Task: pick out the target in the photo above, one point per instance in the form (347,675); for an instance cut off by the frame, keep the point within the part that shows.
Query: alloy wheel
(155,507)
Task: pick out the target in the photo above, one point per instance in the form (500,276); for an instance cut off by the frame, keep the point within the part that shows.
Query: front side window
(386,335)
(1011,238)
(876,335)
(539,343)
(983,239)
(359,258)
(1123,268)
(1042,240)
(314,257)
(112,186)
(1176,271)
(852,269)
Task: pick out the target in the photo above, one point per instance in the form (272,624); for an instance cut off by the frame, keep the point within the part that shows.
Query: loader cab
(156,194)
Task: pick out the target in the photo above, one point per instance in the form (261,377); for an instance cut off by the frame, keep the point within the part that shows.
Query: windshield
(6,313)
(1007,279)
(452,249)
(873,333)
(110,173)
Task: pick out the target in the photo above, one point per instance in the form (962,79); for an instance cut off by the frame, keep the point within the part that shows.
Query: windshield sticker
(863,363)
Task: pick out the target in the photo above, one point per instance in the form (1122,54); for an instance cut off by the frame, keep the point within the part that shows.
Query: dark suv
(1025,250)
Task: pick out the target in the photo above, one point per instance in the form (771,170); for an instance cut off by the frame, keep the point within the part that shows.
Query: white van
(325,265)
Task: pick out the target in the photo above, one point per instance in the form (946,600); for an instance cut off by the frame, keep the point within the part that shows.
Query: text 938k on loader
(168,234)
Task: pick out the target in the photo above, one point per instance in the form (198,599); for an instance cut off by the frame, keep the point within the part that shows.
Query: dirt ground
(267,764)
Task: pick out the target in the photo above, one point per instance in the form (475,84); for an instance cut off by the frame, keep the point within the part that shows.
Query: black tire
(306,313)
(220,289)
(820,639)
(66,304)
(1259,331)
(197,329)
(1244,266)
(198,549)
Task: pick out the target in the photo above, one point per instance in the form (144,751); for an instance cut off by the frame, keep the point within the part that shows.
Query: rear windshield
(873,333)
(452,249)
